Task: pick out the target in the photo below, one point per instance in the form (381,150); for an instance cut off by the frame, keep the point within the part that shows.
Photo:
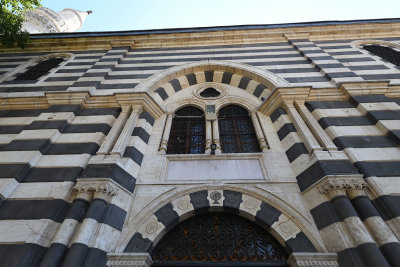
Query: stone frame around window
(12,74)
(229,96)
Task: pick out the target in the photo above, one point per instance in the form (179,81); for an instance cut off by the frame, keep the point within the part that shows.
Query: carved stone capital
(104,191)
(103,188)
(313,260)
(342,184)
(129,259)
(83,191)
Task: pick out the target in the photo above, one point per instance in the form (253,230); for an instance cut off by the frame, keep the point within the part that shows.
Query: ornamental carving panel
(218,237)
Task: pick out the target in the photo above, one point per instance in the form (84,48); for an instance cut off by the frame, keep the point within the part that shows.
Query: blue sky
(117,15)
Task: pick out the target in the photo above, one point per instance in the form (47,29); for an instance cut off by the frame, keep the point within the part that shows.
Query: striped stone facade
(84,175)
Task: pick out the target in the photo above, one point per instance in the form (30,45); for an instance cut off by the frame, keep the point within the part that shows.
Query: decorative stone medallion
(250,204)
(215,196)
(183,204)
(151,227)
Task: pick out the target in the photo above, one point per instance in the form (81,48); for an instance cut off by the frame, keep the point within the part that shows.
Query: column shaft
(309,140)
(315,128)
(384,237)
(167,130)
(215,133)
(120,145)
(366,247)
(208,136)
(64,233)
(114,133)
(80,245)
(259,132)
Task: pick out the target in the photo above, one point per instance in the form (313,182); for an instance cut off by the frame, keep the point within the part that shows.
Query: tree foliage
(11,19)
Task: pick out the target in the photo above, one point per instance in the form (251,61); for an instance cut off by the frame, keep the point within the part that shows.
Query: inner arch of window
(47,63)
(387,53)
(236,130)
(187,135)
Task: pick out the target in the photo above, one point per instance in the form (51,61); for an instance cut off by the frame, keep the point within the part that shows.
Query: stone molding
(129,260)
(219,37)
(103,188)
(343,184)
(313,260)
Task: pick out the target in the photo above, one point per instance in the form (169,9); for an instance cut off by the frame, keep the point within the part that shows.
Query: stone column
(215,134)
(167,130)
(259,132)
(67,229)
(314,126)
(123,138)
(114,132)
(208,136)
(380,231)
(309,140)
(129,259)
(365,245)
(103,191)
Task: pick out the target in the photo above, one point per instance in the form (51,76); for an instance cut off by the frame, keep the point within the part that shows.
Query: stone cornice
(280,33)
(85,99)
(342,93)
(278,97)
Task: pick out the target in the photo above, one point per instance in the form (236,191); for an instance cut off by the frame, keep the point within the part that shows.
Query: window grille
(187,135)
(40,69)
(385,53)
(212,238)
(236,131)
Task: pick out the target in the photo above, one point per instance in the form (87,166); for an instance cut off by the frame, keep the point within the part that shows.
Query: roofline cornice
(246,34)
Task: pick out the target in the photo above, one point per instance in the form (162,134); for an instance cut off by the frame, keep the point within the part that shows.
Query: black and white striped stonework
(97,75)
(298,62)
(59,79)
(43,152)
(122,69)
(132,156)
(137,143)
(366,128)
(333,69)
(308,171)
(109,216)
(36,143)
(366,66)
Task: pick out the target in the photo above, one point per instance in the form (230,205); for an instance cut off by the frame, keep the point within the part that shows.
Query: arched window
(386,53)
(36,71)
(236,131)
(218,239)
(187,134)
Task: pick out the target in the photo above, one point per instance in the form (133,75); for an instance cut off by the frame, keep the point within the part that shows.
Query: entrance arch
(218,239)
(287,226)
(283,226)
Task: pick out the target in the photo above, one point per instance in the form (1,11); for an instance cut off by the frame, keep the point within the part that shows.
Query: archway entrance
(218,239)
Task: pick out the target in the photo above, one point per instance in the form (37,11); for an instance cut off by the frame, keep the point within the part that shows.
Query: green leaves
(11,19)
